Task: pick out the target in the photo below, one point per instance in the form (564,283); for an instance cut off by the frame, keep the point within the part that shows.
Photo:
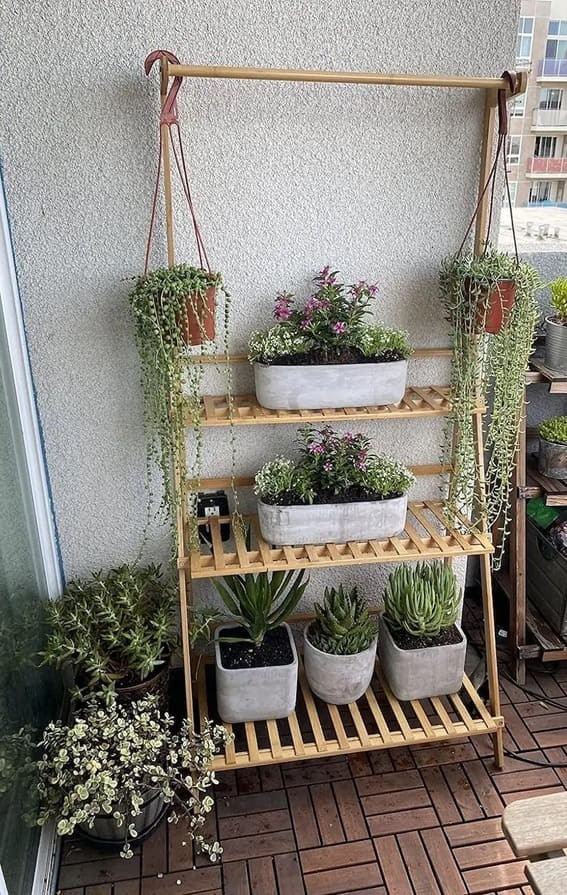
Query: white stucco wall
(379,182)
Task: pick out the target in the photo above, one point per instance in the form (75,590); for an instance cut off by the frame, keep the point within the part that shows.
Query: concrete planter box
(338,679)
(310,387)
(555,346)
(552,459)
(332,523)
(106,832)
(255,694)
(421,673)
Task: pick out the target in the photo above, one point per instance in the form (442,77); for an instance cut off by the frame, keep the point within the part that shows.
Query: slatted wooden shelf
(426,401)
(376,721)
(425,537)
(557,381)
(553,491)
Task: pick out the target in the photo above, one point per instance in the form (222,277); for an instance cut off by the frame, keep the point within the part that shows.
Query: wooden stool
(537,829)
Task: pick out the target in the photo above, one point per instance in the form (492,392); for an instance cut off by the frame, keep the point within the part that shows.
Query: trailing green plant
(111,759)
(331,466)
(554,429)
(343,625)
(18,769)
(487,369)
(261,603)
(422,600)
(115,628)
(329,328)
(559,298)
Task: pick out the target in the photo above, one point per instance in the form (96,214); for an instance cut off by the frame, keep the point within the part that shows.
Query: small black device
(212,503)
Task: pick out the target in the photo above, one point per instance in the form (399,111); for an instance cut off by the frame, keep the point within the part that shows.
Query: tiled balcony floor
(418,821)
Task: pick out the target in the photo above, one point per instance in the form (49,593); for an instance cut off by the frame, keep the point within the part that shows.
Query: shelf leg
(491,657)
(517,561)
(185,587)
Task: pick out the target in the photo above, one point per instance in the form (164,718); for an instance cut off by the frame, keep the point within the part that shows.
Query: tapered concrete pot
(309,387)
(332,523)
(421,673)
(106,832)
(552,459)
(255,694)
(338,679)
(555,346)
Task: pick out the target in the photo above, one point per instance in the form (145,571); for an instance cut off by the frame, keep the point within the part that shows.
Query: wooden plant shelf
(557,381)
(431,400)
(376,721)
(425,537)
(553,491)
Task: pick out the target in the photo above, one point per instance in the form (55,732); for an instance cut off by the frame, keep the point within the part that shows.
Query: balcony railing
(549,118)
(547,166)
(552,68)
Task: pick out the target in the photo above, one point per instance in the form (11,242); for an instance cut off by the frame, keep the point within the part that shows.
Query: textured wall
(378,182)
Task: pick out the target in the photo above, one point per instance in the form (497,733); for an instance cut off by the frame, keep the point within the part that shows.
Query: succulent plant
(554,429)
(343,626)
(422,600)
(559,297)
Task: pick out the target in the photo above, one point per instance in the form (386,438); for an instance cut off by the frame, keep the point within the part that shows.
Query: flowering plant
(331,468)
(330,328)
(112,758)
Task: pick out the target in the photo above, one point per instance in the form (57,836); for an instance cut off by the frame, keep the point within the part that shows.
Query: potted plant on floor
(116,630)
(325,354)
(340,647)
(556,328)
(112,772)
(256,658)
(490,359)
(422,648)
(552,458)
(336,491)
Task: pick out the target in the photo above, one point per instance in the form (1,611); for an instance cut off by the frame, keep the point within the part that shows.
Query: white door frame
(10,308)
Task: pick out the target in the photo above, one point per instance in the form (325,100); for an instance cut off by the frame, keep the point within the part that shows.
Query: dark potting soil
(406,641)
(353,495)
(348,356)
(275,650)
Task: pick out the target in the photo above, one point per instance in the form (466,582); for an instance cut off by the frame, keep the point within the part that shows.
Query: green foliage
(343,625)
(260,603)
(554,429)
(111,759)
(422,600)
(489,368)
(116,627)
(559,297)
(331,465)
(382,342)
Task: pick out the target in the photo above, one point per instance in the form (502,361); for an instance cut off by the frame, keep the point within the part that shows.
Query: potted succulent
(113,771)
(325,354)
(422,649)
(116,630)
(552,458)
(556,328)
(337,491)
(489,367)
(340,647)
(256,658)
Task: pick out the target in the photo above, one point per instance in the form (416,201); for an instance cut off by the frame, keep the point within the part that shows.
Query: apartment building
(537,145)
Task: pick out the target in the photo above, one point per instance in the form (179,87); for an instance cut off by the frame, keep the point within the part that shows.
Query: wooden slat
(360,725)
(274,737)
(298,744)
(338,725)
(462,711)
(407,732)
(385,731)
(217,545)
(311,710)
(478,703)
(252,741)
(422,718)
(443,715)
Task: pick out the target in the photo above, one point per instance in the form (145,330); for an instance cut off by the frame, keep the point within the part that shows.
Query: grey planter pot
(421,673)
(556,346)
(255,694)
(106,831)
(338,679)
(332,523)
(330,385)
(552,459)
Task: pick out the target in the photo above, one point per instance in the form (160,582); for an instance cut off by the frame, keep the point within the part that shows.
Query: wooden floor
(418,821)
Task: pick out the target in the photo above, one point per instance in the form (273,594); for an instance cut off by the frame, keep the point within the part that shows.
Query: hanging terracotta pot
(494,306)
(198,325)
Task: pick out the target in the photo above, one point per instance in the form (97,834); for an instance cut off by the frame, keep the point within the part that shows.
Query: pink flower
(339,327)
(282,310)
(306,323)
(315,448)
(328,466)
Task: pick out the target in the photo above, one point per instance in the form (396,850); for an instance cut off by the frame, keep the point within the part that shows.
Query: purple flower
(339,327)
(316,448)
(360,464)
(328,466)
(305,323)
(349,437)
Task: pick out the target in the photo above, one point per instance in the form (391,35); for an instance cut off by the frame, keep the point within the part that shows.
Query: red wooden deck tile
(475,831)
(395,801)
(154,851)
(532,778)
(443,862)
(262,877)
(303,817)
(248,780)
(510,797)
(451,753)
(203,879)
(350,810)
(93,873)
(246,847)
(463,793)
(327,814)
(440,795)
(394,782)
(288,874)
(489,879)
(235,878)
(342,881)
(401,821)
(392,866)
(255,824)
(317,771)
(127,887)
(332,856)
(419,869)
(251,804)
(485,787)
(271,777)
(470,856)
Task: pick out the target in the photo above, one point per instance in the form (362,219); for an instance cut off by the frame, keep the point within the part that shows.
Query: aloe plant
(343,626)
(261,603)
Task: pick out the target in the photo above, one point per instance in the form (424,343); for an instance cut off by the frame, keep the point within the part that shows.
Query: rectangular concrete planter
(555,346)
(552,459)
(309,387)
(255,694)
(337,679)
(332,523)
(421,673)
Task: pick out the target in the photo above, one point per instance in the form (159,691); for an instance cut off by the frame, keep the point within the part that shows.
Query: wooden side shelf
(376,721)
(557,381)
(554,491)
(425,537)
(547,646)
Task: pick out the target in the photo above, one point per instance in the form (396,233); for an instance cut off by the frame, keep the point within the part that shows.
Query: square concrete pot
(255,694)
(552,459)
(311,386)
(421,673)
(332,523)
(338,679)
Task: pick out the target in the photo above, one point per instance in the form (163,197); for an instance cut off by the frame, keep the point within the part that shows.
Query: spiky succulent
(554,429)
(422,600)
(261,603)
(343,626)
(559,297)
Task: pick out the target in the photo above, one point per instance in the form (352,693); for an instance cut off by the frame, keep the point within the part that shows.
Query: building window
(540,191)
(557,27)
(550,98)
(513,146)
(513,184)
(525,39)
(518,106)
(556,47)
(545,147)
